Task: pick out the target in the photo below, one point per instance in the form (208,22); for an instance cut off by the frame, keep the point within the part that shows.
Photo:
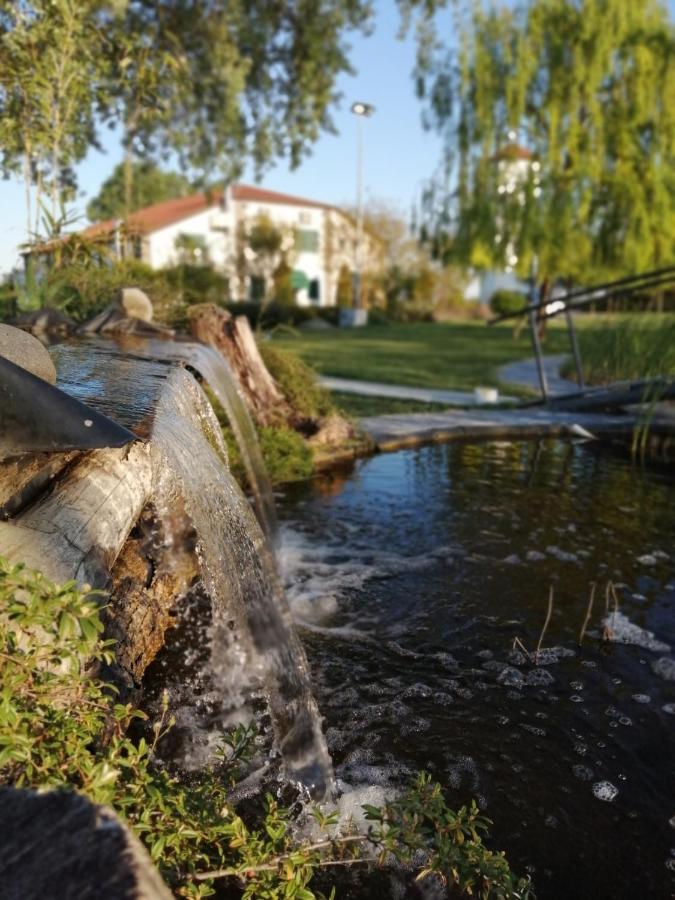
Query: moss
(297,382)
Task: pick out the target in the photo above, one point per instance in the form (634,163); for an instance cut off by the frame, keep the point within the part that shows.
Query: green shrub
(504,302)
(60,728)
(297,381)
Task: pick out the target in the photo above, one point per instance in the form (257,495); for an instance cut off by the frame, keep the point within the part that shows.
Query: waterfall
(254,640)
(214,368)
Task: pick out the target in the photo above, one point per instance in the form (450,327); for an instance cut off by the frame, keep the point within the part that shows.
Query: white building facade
(211,229)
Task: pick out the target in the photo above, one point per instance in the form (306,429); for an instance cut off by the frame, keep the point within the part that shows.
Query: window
(307,241)
(314,290)
(305,218)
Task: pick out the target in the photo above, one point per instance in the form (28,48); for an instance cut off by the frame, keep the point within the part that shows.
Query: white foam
(605,790)
(621,630)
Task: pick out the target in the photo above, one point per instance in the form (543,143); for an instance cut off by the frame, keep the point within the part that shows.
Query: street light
(361,110)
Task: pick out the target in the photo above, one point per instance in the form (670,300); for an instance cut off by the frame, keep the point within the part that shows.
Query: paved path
(403,392)
(413,429)
(524,374)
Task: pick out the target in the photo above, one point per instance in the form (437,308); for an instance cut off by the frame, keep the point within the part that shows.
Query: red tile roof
(512,151)
(160,215)
(249,194)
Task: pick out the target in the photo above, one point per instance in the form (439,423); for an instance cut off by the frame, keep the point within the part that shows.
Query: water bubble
(664,668)
(584,773)
(581,749)
(589,663)
(605,790)
(642,698)
(669,708)
(670,864)
(575,698)
(551,821)
(626,720)
(577,685)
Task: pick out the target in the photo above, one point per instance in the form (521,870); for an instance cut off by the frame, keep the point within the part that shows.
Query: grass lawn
(455,356)
(358,407)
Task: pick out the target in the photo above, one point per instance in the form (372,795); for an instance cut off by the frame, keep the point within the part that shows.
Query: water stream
(254,648)
(411,575)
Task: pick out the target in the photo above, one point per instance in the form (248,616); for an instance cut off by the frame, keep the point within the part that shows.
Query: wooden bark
(58,844)
(23,478)
(78,530)
(155,569)
(234,339)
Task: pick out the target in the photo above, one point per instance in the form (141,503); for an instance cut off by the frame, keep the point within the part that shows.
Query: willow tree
(559,125)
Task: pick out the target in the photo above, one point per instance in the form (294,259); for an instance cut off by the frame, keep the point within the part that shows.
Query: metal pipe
(574,343)
(585,296)
(536,343)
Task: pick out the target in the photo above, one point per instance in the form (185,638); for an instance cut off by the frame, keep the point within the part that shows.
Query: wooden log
(78,530)
(234,339)
(59,844)
(156,567)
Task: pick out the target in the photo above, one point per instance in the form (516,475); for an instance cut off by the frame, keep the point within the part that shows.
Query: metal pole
(575,346)
(359,211)
(536,343)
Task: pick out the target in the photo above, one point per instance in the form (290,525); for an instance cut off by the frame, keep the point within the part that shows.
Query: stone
(46,321)
(135,303)
(25,350)
(333,430)
(58,843)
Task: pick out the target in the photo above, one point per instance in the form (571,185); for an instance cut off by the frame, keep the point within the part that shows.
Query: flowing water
(254,651)
(411,576)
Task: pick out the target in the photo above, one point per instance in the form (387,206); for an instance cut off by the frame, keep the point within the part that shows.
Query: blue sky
(398,154)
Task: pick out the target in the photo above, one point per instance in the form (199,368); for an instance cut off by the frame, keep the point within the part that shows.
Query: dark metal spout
(37,417)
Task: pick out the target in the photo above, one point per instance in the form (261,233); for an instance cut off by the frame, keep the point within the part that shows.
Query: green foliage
(421,821)
(626,348)
(195,80)
(150,184)
(297,381)
(286,455)
(504,302)
(345,288)
(60,727)
(582,84)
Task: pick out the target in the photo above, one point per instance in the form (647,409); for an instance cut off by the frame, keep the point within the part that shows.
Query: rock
(332,430)
(317,324)
(25,350)
(135,303)
(58,844)
(46,321)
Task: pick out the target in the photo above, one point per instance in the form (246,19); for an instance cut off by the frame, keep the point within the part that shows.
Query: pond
(412,575)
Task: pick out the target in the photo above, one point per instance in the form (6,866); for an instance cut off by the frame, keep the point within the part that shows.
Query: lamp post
(361,110)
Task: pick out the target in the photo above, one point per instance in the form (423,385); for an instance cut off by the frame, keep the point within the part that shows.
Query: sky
(398,154)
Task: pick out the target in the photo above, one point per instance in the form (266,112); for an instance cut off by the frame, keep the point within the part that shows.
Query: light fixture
(362,109)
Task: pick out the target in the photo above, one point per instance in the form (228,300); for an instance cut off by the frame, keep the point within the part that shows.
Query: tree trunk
(234,339)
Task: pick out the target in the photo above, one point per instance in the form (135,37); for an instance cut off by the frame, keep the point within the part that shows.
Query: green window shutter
(307,241)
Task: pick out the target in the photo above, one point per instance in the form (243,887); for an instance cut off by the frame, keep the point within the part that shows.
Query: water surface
(412,575)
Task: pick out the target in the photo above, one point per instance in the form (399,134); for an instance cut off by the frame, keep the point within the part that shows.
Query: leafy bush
(504,302)
(60,728)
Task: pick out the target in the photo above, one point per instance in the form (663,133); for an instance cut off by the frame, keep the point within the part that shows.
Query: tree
(263,249)
(49,59)
(216,84)
(150,185)
(583,91)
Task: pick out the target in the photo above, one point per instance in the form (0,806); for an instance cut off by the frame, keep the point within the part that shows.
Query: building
(212,228)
